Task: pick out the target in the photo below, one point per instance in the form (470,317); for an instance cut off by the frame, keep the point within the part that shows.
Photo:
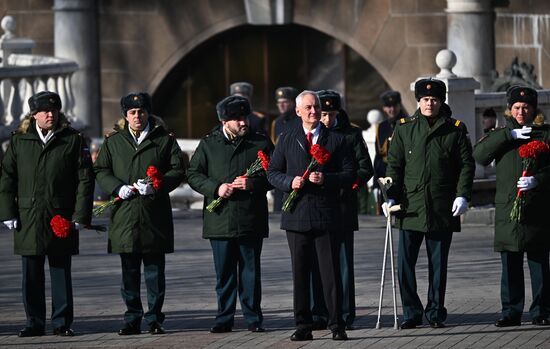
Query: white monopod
(385,184)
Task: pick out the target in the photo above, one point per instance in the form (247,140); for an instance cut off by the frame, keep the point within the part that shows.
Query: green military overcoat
(354,140)
(40,181)
(140,224)
(531,234)
(216,161)
(430,167)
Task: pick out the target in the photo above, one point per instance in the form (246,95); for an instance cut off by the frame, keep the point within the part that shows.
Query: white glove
(386,205)
(376,193)
(11,223)
(527,183)
(78,226)
(521,133)
(144,188)
(460,205)
(125,192)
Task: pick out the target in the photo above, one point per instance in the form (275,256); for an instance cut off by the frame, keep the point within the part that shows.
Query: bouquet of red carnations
(62,227)
(261,162)
(529,154)
(319,156)
(154,177)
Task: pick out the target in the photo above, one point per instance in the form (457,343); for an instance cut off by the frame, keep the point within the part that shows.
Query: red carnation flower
(319,156)
(261,163)
(529,154)
(61,227)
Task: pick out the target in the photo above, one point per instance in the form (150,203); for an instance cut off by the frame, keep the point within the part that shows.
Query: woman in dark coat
(530,235)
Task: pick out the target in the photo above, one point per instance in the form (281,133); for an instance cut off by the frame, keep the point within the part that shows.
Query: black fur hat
(136,100)
(43,101)
(233,107)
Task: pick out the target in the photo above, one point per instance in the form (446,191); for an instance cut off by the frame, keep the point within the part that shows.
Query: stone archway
(397,39)
(268,57)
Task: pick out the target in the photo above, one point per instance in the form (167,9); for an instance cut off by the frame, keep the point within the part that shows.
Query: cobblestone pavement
(472,297)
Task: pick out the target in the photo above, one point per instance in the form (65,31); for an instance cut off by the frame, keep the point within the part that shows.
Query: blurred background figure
(257,122)
(285,98)
(489,120)
(100,197)
(368,196)
(393,111)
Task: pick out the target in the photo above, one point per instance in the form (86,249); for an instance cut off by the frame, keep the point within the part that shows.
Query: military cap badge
(135,100)
(522,94)
(430,87)
(330,100)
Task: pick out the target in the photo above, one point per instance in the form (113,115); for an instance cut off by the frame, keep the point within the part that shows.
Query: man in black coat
(336,119)
(312,222)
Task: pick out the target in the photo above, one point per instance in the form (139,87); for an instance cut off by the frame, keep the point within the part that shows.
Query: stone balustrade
(27,74)
(23,74)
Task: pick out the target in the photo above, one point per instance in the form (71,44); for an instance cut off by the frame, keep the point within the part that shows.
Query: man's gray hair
(304,93)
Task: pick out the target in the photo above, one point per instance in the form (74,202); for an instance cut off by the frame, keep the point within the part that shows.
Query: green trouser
(153,272)
(512,286)
(437,246)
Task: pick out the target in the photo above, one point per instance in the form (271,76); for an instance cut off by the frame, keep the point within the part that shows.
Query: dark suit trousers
(153,272)
(304,247)
(34,297)
(237,264)
(347,276)
(437,246)
(512,285)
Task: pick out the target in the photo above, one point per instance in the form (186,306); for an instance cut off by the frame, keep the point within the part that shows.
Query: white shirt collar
(45,138)
(142,135)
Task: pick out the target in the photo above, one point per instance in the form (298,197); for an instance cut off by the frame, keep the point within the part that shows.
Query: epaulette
(406,120)
(456,123)
(111,133)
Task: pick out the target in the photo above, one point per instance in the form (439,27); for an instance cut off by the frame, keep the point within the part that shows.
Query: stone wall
(142,40)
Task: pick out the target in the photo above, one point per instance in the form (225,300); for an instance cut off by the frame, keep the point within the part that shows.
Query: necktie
(309,137)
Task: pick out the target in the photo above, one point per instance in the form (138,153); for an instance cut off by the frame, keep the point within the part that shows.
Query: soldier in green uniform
(141,229)
(336,119)
(530,235)
(237,227)
(257,122)
(46,171)
(430,161)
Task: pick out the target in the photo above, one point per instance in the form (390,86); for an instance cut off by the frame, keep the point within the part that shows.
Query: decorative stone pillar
(268,12)
(460,95)
(471,35)
(76,38)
